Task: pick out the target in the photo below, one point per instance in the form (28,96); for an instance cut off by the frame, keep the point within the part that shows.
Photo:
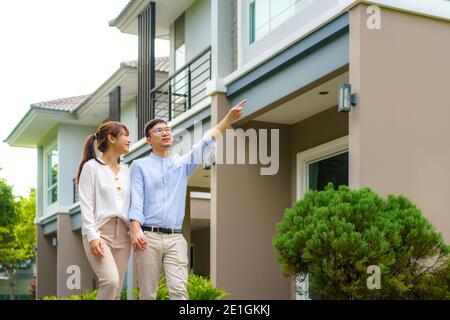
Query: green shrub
(335,235)
(87,295)
(199,288)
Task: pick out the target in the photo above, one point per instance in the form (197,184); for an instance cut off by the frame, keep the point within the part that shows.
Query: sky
(53,49)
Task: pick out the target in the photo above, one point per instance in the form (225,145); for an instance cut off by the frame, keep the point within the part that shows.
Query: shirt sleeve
(195,157)
(137,195)
(86,192)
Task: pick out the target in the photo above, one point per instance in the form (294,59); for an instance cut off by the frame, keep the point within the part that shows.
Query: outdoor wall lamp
(346,98)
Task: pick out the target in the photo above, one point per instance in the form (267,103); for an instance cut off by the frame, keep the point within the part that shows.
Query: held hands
(138,238)
(96,247)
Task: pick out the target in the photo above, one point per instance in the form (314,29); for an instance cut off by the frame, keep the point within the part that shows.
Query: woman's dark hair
(113,128)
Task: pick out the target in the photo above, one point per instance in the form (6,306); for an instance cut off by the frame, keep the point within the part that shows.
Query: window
(52,176)
(191,259)
(266,15)
(317,167)
(333,169)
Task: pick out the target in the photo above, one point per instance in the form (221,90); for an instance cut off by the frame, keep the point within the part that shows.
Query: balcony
(184,89)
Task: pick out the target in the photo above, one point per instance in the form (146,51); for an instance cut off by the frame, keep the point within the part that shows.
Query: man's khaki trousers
(170,252)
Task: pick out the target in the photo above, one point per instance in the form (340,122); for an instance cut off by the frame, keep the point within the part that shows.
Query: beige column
(45,265)
(245,207)
(71,253)
(399,133)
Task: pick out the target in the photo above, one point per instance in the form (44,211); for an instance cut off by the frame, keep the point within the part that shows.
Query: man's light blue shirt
(158,186)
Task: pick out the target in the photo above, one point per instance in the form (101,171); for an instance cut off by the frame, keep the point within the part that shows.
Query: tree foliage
(17,229)
(335,235)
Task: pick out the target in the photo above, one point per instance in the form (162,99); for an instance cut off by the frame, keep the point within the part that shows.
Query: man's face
(160,136)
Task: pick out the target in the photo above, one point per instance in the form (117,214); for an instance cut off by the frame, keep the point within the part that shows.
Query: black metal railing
(183,89)
(75,191)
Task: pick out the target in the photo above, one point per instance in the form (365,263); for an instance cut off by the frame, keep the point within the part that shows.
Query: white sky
(53,49)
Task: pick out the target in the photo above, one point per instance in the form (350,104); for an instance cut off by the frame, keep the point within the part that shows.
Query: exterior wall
(316,59)
(304,136)
(296,23)
(201,241)
(200,208)
(70,252)
(45,264)
(399,132)
(71,140)
(224,47)
(172,48)
(243,260)
(197,31)
(128,116)
(234,35)
(47,144)
(40,183)
(197,28)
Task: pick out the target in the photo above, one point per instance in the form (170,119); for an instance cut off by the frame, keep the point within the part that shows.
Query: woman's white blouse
(102,195)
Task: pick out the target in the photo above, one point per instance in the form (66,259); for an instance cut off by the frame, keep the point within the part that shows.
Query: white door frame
(304,158)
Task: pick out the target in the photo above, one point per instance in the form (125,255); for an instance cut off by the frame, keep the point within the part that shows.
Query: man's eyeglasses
(159,131)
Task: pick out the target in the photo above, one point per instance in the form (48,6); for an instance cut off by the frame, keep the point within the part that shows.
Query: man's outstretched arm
(195,156)
(234,114)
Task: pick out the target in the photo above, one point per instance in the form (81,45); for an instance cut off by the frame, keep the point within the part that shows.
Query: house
(288,58)
(58,129)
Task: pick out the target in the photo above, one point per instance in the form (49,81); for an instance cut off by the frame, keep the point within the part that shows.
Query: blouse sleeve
(86,191)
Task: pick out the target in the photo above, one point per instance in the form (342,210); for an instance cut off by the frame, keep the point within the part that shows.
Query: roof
(70,104)
(113,22)
(161,64)
(63,104)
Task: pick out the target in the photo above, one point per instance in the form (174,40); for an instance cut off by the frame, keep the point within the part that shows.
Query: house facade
(288,58)
(58,129)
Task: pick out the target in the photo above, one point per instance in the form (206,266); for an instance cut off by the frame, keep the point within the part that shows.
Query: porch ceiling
(201,178)
(306,104)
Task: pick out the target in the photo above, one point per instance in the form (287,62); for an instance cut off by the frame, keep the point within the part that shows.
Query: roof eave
(128,14)
(27,120)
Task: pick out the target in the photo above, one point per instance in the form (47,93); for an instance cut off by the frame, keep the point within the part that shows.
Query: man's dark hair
(151,124)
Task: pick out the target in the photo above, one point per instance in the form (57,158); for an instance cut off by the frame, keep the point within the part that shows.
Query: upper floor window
(52,176)
(266,15)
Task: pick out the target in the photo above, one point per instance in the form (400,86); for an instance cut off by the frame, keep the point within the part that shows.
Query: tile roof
(161,64)
(70,104)
(64,104)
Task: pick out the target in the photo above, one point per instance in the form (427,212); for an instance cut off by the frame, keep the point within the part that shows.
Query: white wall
(197,28)
(128,116)
(71,140)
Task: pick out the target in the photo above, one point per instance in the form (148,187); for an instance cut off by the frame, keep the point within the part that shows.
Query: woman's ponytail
(88,154)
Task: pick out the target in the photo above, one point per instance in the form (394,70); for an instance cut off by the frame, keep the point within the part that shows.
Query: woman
(104,193)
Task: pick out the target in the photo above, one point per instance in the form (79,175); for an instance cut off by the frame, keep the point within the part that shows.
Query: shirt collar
(155,156)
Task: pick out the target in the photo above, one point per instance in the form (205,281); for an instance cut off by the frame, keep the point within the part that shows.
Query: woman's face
(121,143)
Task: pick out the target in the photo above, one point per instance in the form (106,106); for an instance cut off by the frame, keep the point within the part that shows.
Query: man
(158,195)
